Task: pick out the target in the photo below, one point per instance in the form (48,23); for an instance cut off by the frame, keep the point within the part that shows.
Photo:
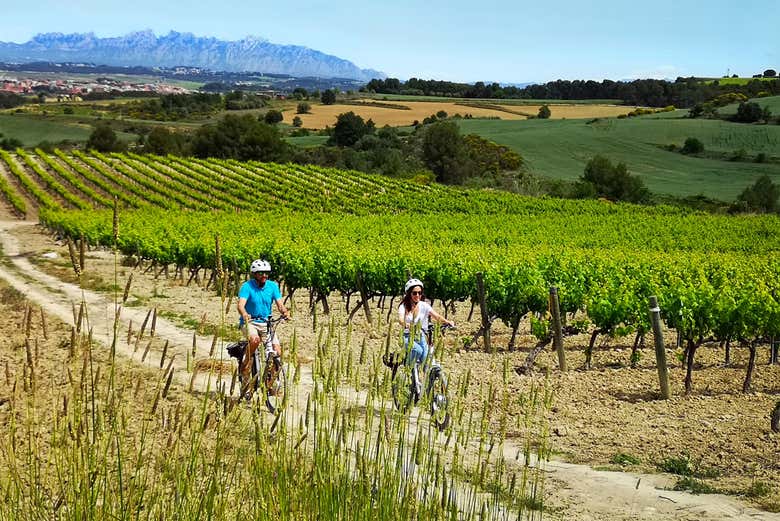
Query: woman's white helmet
(412,283)
(260,265)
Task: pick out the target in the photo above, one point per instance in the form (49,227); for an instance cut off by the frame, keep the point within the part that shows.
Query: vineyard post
(660,351)
(483,310)
(555,310)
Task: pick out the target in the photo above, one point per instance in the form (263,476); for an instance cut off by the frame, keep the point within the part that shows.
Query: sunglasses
(416,292)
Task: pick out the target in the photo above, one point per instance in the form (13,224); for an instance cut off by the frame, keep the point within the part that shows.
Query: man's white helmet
(260,265)
(412,283)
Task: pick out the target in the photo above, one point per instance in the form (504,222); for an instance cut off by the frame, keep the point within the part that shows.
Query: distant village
(73,89)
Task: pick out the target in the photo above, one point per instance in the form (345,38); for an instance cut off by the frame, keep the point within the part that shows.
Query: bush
(272,117)
(692,146)
(739,155)
(10,143)
(544,112)
(751,113)
(103,139)
(761,196)
(603,179)
(297,122)
(328,97)
(303,108)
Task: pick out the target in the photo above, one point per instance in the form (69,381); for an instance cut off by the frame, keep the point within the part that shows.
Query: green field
(561,148)
(773,102)
(736,81)
(32,131)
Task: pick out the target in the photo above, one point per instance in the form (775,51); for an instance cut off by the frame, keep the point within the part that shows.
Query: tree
(349,129)
(444,152)
(297,122)
(272,117)
(303,108)
(761,196)
(751,112)
(692,146)
(544,112)
(770,73)
(240,137)
(300,93)
(603,179)
(162,141)
(328,97)
(103,139)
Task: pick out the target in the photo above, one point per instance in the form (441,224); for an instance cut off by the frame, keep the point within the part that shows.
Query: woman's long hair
(408,298)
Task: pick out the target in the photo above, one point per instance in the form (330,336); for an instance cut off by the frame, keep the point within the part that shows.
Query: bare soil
(598,415)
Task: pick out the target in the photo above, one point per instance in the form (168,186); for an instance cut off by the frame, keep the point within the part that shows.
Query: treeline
(683,92)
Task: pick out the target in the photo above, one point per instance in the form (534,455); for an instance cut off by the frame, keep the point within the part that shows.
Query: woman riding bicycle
(255,298)
(413,315)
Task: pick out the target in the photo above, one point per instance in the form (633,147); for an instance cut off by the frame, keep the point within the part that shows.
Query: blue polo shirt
(259,300)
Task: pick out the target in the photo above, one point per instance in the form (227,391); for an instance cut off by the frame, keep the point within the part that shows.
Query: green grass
(560,149)
(31,131)
(307,141)
(773,102)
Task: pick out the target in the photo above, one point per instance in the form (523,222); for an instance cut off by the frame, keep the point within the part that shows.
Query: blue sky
(457,40)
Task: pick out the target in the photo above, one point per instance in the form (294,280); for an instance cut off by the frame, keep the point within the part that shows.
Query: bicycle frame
(273,376)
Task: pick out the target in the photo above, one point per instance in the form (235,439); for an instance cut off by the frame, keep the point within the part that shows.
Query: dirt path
(576,491)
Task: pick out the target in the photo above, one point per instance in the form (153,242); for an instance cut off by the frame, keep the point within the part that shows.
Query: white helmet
(412,283)
(261,265)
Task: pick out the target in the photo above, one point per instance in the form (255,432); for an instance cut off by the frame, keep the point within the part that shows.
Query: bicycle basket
(237,349)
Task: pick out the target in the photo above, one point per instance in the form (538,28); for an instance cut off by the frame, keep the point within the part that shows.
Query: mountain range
(184,49)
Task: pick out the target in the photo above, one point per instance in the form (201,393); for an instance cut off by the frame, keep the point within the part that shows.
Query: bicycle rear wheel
(403,389)
(275,383)
(437,391)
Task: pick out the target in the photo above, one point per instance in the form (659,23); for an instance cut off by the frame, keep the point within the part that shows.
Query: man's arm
(282,309)
(241,307)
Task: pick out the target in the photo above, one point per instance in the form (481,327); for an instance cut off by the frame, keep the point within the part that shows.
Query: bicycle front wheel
(275,383)
(440,411)
(403,389)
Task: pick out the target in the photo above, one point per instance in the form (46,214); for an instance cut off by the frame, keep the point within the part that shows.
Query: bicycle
(273,376)
(407,385)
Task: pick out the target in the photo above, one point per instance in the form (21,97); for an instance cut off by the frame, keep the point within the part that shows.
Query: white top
(412,320)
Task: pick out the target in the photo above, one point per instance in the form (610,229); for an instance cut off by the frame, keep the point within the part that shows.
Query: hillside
(561,148)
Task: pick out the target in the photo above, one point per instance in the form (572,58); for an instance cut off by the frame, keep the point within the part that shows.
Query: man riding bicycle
(413,316)
(255,298)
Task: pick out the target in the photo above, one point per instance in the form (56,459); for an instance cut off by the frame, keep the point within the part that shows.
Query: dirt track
(575,491)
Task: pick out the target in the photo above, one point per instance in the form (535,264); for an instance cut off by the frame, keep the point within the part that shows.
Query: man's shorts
(259,329)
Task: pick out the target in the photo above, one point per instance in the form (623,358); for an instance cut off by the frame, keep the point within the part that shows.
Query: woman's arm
(439,318)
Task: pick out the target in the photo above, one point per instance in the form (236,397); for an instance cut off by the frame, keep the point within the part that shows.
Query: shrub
(544,112)
(750,113)
(603,179)
(297,122)
(692,146)
(273,117)
(303,108)
(762,196)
